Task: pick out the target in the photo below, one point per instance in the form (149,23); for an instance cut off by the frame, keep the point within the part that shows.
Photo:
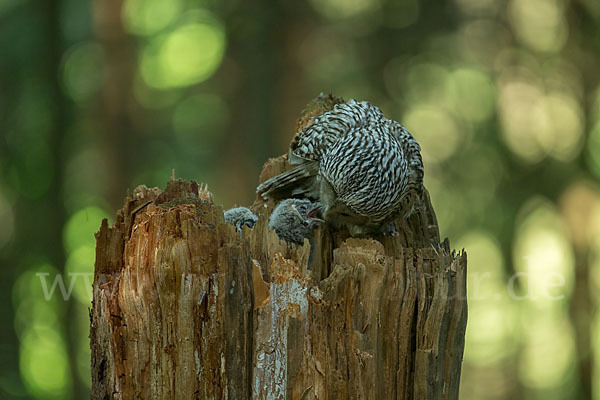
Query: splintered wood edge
(276,284)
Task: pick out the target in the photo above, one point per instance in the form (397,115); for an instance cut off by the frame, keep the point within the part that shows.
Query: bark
(186,307)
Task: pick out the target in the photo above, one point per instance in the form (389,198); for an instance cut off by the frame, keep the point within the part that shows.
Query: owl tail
(297,181)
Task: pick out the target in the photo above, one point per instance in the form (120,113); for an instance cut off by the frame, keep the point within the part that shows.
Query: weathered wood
(186,307)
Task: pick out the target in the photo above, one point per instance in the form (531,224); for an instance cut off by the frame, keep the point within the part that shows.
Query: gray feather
(290,220)
(284,184)
(240,216)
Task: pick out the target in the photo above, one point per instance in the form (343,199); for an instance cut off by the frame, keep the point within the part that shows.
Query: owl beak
(315,214)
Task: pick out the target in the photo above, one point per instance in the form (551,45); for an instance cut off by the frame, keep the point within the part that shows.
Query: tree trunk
(185,307)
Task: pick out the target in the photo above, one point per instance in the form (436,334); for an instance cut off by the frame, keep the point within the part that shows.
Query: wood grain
(185,307)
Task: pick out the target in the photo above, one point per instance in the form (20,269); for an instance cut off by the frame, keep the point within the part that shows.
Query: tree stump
(185,307)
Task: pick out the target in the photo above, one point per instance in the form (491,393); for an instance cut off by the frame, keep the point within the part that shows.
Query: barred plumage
(363,168)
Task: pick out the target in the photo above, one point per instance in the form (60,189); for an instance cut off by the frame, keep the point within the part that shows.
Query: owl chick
(363,169)
(240,216)
(292,220)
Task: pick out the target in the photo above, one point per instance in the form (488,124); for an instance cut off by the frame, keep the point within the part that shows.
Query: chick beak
(315,214)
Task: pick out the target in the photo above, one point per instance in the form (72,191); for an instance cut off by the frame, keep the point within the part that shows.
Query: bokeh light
(79,243)
(542,251)
(429,83)
(436,130)
(594,261)
(548,353)
(538,124)
(580,208)
(474,98)
(44,364)
(491,335)
(83,70)
(189,54)
(43,360)
(80,268)
(81,318)
(545,264)
(595,331)
(31,302)
(80,228)
(337,9)
(148,17)
(539,24)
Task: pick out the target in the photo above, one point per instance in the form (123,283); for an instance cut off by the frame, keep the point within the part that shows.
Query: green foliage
(502,95)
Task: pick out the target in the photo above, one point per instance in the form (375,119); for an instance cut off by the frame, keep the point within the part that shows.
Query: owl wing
(315,141)
(412,152)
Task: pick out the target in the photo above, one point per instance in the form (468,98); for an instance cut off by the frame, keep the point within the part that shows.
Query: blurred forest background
(100,96)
